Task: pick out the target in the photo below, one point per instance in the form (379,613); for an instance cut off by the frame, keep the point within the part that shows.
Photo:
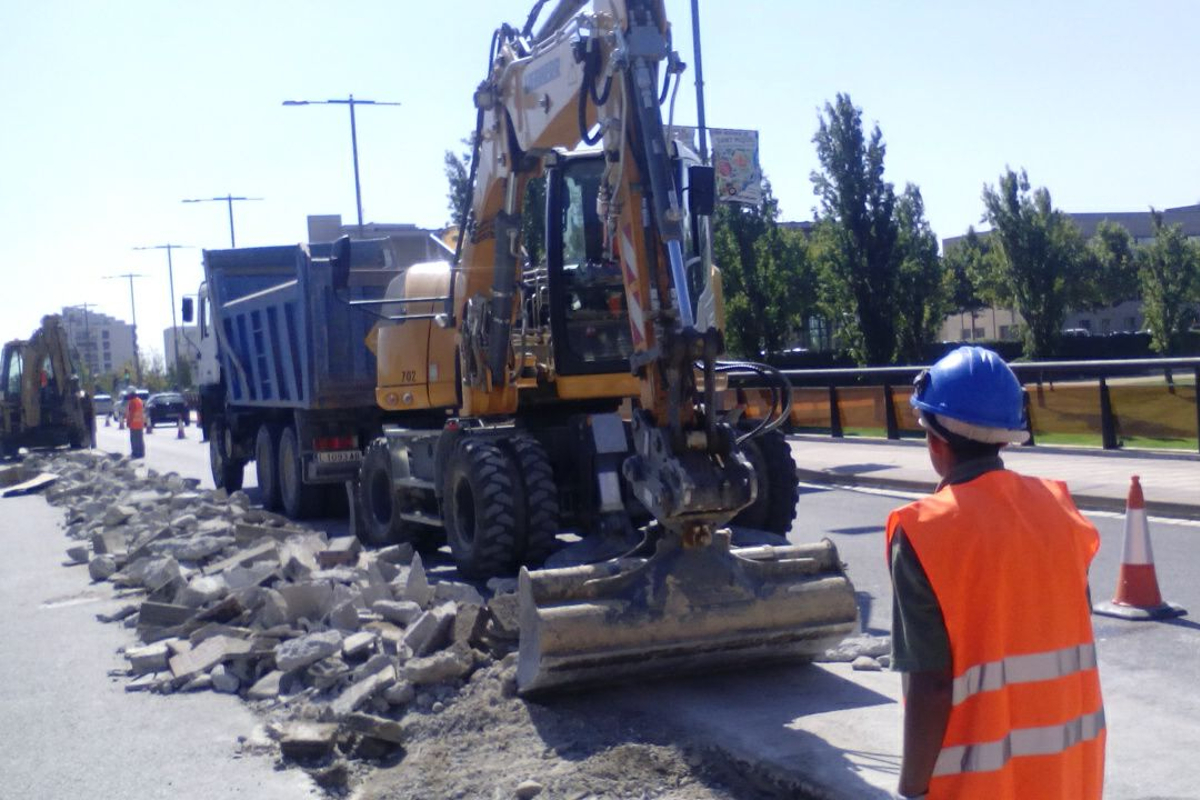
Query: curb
(1085,502)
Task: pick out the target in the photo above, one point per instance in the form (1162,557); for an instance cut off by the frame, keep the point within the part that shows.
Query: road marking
(902,495)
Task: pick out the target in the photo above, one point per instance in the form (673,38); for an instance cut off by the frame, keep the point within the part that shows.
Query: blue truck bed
(285,340)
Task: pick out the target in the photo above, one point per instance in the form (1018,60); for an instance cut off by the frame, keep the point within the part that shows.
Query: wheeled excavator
(583,393)
(41,402)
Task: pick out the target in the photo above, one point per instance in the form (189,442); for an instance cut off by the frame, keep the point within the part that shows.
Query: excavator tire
(538,501)
(480,510)
(266,465)
(381,523)
(226,472)
(774,508)
(299,501)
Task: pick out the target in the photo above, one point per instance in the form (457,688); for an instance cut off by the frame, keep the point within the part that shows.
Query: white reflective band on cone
(1048,740)
(1023,669)
(1137,538)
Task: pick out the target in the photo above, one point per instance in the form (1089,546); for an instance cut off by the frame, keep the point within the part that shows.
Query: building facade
(104,343)
(1003,324)
(189,345)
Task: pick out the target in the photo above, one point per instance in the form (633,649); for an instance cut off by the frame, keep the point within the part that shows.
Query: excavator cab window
(588,315)
(12,373)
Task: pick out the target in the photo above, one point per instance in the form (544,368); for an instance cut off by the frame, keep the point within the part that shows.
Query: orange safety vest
(134,418)
(1007,557)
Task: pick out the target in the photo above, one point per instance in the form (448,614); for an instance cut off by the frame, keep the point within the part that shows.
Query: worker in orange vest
(991,614)
(135,420)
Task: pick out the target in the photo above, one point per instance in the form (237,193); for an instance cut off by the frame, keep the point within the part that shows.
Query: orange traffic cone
(1137,596)
(179,434)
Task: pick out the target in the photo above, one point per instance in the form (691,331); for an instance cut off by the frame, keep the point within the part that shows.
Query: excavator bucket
(683,610)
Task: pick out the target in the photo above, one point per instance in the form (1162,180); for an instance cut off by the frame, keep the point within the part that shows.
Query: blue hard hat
(975,386)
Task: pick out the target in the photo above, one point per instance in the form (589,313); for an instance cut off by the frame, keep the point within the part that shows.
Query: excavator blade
(683,610)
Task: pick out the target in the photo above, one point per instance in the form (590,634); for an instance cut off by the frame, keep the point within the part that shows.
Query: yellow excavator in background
(582,393)
(41,402)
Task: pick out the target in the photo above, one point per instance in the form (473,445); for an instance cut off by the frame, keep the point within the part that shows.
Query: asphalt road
(71,731)
(847,723)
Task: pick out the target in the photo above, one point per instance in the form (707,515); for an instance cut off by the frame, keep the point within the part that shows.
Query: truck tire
(266,465)
(381,523)
(774,508)
(480,513)
(537,506)
(226,472)
(299,501)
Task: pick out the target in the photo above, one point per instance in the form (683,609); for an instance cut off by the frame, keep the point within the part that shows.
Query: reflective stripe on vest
(1023,669)
(1045,741)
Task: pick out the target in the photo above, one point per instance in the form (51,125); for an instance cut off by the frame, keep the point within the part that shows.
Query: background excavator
(583,393)
(41,402)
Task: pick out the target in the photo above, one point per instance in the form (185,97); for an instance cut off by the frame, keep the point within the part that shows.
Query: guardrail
(1083,401)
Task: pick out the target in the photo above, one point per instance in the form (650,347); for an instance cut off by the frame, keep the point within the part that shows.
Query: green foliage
(1041,267)
(766,275)
(860,232)
(1169,273)
(458,192)
(921,299)
(1110,261)
(533,219)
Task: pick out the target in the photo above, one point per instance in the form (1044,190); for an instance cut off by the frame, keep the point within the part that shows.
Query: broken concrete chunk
(469,624)
(108,541)
(304,741)
(203,590)
(78,554)
(401,693)
(102,567)
(305,650)
(358,644)
(431,630)
(224,681)
(160,572)
(362,691)
(375,727)
(163,615)
(311,601)
(341,551)
(253,575)
(457,592)
(505,613)
(151,658)
(401,612)
(396,554)
(267,687)
(273,611)
(416,587)
(440,667)
(207,655)
(264,551)
(118,515)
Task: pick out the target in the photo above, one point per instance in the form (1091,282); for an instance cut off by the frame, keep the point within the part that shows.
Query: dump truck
(285,379)
(582,394)
(42,403)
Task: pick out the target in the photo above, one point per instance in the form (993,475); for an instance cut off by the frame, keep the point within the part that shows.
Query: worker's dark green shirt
(919,639)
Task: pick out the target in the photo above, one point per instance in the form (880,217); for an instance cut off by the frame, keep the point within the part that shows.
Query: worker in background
(991,614)
(135,420)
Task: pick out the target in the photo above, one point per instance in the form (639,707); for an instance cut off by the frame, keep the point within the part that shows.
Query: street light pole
(171,277)
(352,102)
(229,198)
(137,362)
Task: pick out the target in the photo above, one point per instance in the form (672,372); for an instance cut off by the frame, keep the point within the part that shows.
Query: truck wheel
(774,508)
(480,514)
(266,465)
(381,523)
(299,501)
(537,505)
(226,472)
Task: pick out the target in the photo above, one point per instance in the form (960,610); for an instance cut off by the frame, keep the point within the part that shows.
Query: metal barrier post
(1108,431)
(889,411)
(835,416)
(1028,417)
(1197,399)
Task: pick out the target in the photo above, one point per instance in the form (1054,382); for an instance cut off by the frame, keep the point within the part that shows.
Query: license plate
(339,456)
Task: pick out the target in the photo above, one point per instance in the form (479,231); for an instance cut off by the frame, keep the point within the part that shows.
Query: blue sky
(115,112)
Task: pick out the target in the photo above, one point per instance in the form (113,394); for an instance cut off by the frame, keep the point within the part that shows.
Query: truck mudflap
(683,610)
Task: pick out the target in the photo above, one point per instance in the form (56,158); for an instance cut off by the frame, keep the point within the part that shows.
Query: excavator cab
(41,404)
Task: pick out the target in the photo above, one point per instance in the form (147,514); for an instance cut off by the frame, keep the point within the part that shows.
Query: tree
(967,272)
(858,205)
(1169,272)
(1111,265)
(766,276)
(458,173)
(921,298)
(1043,252)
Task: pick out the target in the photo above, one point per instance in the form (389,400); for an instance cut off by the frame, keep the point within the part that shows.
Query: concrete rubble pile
(333,643)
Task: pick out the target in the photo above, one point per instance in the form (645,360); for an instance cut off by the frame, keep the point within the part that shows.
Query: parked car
(166,407)
(118,411)
(102,403)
